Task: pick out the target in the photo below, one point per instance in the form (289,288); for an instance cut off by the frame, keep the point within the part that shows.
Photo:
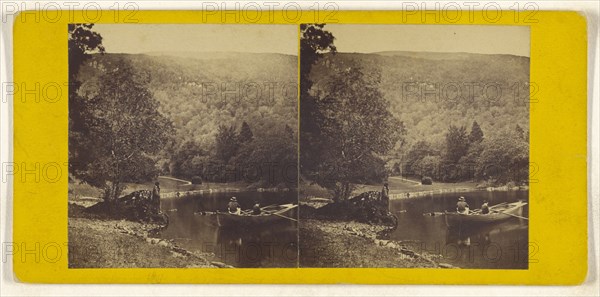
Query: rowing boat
(498,213)
(268,214)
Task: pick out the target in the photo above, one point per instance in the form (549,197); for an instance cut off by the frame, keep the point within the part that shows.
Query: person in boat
(155,199)
(234,207)
(485,208)
(256,208)
(462,206)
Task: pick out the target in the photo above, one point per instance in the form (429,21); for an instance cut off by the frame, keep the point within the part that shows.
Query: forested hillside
(208,97)
(422,89)
(439,98)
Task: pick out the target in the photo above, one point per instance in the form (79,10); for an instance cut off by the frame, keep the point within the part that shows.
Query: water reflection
(498,245)
(271,245)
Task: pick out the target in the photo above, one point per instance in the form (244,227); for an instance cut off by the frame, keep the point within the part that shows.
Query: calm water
(271,245)
(495,246)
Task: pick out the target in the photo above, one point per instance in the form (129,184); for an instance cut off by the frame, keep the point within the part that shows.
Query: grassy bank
(101,243)
(350,244)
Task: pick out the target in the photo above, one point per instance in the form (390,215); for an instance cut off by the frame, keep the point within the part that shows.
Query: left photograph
(183,146)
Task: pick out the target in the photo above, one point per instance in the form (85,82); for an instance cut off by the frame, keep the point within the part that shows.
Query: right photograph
(414,146)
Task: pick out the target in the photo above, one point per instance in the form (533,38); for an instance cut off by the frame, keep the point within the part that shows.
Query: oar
(512,215)
(285,217)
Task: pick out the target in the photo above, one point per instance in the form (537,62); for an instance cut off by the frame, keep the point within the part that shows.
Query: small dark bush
(196,180)
(426,180)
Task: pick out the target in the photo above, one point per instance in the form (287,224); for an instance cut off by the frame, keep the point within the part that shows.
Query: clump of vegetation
(365,208)
(196,180)
(136,206)
(426,180)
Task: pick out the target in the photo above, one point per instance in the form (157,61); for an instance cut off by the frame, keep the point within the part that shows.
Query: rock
(221,264)
(444,265)
(381,242)
(163,243)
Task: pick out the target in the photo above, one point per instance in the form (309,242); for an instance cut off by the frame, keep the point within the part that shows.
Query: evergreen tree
(245,133)
(476,133)
(520,132)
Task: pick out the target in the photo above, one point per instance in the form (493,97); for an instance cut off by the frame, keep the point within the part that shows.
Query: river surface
(495,246)
(272,245)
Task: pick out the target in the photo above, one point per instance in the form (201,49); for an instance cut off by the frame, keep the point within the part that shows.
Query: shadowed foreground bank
(107,243)
(351,244)
(354,233)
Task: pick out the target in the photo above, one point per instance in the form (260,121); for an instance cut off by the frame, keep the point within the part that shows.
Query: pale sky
(144,38)
(514,40)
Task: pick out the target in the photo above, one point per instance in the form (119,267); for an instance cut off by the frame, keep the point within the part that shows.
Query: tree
(428,166)
(505,158)
(184,160)
(355,130)
(123,133)
(520,131)
(457,144)
(289,133)
(226,143)
(476,133)
(418,151)
(82,42)
(315,41)
(245,133)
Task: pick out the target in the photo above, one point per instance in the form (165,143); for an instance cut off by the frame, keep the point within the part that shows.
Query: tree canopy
(123,133)
(348,125)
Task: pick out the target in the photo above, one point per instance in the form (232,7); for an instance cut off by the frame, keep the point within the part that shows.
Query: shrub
(196,180)
(426,180)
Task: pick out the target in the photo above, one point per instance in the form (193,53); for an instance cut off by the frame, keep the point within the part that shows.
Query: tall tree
(83,41)
(124,131)
(476,133)
(356,129)
(315,42)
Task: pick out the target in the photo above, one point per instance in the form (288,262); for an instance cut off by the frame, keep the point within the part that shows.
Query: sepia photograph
(414,146)
(183,146)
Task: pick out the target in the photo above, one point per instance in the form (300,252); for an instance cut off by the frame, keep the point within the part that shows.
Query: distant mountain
(429,91)
(200,91)
(439,55)
(214,55)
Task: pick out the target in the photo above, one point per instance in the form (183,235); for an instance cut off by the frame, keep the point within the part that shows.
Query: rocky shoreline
(96,242)
(325,243)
